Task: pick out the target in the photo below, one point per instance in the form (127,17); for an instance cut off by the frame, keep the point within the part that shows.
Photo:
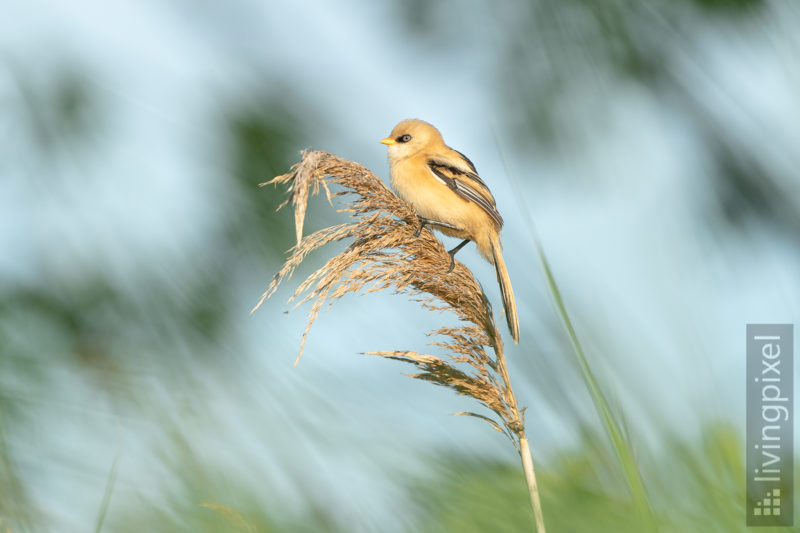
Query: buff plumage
(447,194)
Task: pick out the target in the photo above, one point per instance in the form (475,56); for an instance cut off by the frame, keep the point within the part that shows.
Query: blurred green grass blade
(112,479)
(622,446)
(612,426)
(239,522)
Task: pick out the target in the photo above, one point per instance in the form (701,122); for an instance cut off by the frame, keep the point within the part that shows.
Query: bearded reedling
(447,194)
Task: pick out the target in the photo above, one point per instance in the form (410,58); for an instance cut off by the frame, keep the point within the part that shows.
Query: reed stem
(530,477)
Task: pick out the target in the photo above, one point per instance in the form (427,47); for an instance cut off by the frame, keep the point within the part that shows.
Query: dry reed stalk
(384,253)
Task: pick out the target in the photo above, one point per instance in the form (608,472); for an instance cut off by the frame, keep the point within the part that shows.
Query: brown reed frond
(383,253)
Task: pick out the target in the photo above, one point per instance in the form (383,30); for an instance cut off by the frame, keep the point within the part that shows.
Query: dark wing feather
(467,161)
(461,172)
(466,184)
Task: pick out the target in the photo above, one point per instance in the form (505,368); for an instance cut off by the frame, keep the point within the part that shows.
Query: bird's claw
(453,254)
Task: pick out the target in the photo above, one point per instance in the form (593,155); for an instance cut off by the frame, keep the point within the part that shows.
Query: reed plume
(383,254)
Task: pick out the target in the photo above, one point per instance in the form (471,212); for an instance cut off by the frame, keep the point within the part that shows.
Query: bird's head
(411,137)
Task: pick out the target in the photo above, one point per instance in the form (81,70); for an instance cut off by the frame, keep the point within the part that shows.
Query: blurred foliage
(118,336)
(694,486)
(259,149)
(17,508)
(748,190)
(264,139)
(204,498)
(60,111)
(555,50)
(742,7)
(550,54)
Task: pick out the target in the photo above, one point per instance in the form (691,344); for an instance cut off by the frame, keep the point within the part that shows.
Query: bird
(446,193)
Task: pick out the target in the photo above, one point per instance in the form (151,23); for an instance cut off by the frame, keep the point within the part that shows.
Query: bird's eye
(404,138)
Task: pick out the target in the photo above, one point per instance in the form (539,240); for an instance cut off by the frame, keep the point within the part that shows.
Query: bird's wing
(467,161)
(466,184)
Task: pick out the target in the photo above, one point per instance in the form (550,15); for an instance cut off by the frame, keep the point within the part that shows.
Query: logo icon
(769,505)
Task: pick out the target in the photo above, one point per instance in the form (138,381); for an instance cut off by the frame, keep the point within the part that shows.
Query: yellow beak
(388,141)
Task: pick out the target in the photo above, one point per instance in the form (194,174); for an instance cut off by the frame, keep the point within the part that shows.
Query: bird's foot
(453,253)
(422,222)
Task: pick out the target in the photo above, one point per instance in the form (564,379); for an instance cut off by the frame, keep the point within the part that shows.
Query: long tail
(505,286)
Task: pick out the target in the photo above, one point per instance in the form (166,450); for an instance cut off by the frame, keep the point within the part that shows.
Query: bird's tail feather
(509,304)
